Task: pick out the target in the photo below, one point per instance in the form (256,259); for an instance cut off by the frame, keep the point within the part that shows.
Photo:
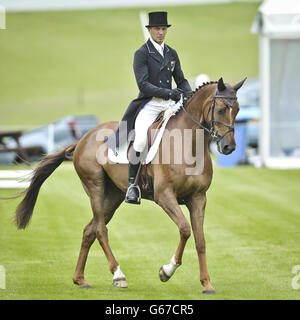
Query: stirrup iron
(139,195)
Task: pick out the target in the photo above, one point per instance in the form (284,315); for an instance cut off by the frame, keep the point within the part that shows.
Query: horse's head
(221,114)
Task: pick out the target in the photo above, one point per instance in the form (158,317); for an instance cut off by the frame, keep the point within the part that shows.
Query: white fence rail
(15,179)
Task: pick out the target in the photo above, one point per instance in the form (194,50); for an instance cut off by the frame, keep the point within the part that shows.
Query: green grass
(252,232)
(57,63)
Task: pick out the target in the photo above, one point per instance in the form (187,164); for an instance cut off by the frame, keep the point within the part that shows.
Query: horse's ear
(238,85)
(221,85)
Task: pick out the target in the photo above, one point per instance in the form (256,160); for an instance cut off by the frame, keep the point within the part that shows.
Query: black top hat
(158,19)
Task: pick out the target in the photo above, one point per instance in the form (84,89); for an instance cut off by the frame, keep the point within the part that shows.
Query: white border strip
(45,5)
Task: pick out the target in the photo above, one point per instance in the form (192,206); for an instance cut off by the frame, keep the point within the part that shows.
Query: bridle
(211,131)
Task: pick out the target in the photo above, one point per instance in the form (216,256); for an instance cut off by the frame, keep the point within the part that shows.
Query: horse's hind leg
(89,236)
(105,198)
(103,209)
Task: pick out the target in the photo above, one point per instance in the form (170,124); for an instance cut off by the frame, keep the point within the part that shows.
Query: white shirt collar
(158,47)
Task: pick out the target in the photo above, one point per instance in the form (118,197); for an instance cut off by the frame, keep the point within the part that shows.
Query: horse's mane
(190,95)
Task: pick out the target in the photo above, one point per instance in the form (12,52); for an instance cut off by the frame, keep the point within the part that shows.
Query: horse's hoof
(209,292)
(120,283)
(162,275)
(82,284)
(85,286)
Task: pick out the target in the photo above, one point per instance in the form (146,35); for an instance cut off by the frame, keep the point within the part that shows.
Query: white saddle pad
(121,156)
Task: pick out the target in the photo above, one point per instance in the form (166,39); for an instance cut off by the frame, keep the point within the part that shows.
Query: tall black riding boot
(133,194)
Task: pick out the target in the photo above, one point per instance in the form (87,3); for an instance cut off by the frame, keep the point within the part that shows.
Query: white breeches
(144,120)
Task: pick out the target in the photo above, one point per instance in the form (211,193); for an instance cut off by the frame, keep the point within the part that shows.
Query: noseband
(211,131)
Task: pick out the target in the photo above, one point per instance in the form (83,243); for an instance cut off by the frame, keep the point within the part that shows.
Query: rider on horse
(154,65)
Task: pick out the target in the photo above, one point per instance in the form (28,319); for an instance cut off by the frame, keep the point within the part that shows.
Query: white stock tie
(161,51)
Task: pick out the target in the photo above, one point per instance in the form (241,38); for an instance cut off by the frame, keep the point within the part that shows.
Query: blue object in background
(239,154)
(249,97)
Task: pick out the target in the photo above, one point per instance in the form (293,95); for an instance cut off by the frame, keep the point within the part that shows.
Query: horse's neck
(196,107)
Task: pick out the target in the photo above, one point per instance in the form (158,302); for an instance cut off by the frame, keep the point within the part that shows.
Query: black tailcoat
(153,75)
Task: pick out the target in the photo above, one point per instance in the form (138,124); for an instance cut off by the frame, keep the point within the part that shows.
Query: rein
(211,131)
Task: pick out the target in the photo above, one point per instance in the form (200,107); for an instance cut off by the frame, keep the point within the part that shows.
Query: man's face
(158,34)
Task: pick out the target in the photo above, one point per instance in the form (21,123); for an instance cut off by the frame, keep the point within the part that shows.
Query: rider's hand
(175,94)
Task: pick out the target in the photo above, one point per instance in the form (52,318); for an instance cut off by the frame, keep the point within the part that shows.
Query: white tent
(278,25)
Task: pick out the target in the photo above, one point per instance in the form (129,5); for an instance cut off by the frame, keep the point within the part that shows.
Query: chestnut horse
(212,108)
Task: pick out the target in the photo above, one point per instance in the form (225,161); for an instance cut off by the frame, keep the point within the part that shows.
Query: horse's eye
(221,111)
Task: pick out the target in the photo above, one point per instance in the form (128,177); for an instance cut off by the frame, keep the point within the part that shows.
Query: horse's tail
(45,168)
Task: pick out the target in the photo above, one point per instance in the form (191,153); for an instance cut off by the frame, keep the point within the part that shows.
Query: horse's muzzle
(225,147)
(228,148)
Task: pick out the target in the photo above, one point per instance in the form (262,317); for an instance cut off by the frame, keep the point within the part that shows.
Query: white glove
(173,108)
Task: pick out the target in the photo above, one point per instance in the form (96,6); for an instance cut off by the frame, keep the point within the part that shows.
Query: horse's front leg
(196,205)
(167,200)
